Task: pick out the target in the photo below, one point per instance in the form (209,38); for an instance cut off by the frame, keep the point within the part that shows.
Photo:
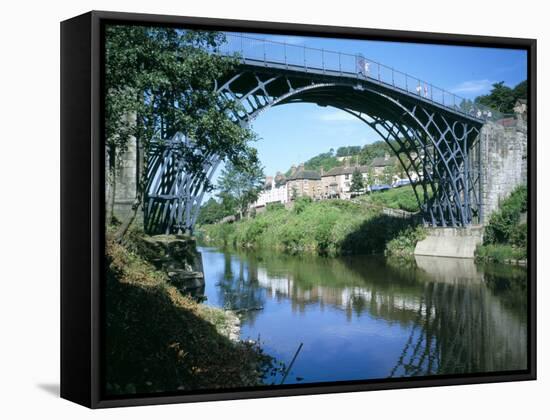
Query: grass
(329,227)
(402,198)
(501,253)
(505,237)
(160,340)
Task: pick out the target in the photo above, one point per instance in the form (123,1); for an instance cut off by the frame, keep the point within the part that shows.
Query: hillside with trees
(503,98)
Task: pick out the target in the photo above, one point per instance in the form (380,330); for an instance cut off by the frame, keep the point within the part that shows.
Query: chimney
(386,156)
(301,166)
(322,171)
(292,169)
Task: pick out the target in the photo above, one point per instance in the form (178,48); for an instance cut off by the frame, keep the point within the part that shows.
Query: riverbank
(329,228)
(158,339)
(505,236)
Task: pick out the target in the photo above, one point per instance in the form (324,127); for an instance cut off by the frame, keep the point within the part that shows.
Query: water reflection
(368,317)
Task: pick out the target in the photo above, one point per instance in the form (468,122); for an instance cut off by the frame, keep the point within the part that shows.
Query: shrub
(330,227)
(405,242)
(500,253)
(274,206)
(503,223)
(301,203)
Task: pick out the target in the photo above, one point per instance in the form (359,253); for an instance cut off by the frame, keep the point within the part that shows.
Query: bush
(301,203)
(402,198)
(503,223)
(505,238)
(405,242)
(500,253)
(274,206)
(331,227)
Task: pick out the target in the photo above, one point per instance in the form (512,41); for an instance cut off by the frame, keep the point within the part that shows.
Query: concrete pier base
(450,242)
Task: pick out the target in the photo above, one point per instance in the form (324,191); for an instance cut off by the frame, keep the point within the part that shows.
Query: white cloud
(473,86)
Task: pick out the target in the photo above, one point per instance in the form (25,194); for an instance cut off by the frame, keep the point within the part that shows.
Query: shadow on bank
(159,340)
(375,234)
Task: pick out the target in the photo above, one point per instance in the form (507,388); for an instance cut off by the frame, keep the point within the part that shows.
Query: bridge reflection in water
(369,317)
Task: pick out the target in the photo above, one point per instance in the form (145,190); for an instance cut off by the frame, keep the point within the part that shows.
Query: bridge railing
(298,57)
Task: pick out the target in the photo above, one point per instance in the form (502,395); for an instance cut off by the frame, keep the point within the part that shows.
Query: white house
(272,193)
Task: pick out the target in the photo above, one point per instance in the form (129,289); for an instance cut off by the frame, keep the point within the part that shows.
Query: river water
(368,317)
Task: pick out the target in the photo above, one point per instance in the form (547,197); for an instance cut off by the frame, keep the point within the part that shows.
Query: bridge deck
(302,59)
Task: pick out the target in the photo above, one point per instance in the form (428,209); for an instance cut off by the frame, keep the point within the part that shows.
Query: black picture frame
(82,205)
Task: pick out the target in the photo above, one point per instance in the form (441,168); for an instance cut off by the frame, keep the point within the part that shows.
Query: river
(369,317)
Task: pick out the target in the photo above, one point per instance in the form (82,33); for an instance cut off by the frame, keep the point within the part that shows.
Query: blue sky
(292,133)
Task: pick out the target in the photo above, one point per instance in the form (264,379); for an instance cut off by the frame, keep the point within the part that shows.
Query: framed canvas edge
(96,190)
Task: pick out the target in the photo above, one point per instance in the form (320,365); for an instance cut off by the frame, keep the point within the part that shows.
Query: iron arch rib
(435,142)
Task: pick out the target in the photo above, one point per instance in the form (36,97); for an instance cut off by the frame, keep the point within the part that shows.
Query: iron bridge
(431,131)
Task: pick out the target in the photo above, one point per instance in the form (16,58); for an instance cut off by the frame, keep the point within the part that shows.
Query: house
(336,183)
(272,192)
(304,182)
(380,164)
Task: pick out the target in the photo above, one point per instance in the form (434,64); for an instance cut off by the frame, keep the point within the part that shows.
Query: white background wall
(29,218)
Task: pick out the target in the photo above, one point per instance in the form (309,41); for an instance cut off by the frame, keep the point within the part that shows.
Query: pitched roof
(343,170)
(304,174)
(382,161)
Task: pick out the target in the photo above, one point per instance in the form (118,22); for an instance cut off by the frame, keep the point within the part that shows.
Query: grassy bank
(402,198)
(160,340)
(330,227)
(505,236)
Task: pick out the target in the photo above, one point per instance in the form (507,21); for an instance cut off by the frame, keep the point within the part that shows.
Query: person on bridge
(419,89)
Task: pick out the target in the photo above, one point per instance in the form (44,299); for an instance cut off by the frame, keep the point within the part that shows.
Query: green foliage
(500,253)
(503,223)
(503,98)
(326,161)
(505,238)
(212,211)
(357,183)
(294,193)
(402,198)
(243,184)
(274,206)
(405,242)
(373,150)
(159,81)
(348,151)
(158,339)
(387,175)
(301,203)
(330,227)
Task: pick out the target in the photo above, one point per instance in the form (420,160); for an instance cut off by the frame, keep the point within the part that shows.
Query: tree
(347,151)
(503,98)
(294,193)
(160,81)
(357,183)
(214,210)
(243,184)
(373,150)
(387,175)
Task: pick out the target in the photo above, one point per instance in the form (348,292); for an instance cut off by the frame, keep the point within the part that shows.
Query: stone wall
(504,160)
(126,181)
(178,257)
(450,242)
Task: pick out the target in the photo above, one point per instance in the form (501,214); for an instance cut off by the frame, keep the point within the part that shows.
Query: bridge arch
(435,141)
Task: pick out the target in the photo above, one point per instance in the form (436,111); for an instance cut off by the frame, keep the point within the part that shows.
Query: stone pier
(450,242)
(503,159)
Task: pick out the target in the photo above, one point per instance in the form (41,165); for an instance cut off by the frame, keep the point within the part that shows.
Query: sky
(292,133)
